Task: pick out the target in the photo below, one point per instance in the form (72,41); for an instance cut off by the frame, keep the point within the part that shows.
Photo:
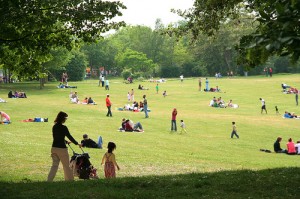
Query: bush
(126,73)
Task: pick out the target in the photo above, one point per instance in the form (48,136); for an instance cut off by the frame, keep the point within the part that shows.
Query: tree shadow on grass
(270,183)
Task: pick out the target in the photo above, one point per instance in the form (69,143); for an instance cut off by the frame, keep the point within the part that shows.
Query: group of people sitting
(142,87)
(288,89)
(292,148)
(75,99)
(61,85)
(217,89)
(220,103)
(88,101)
(162,80)
(136,107)
(16,94)
(290,115)
(129,126)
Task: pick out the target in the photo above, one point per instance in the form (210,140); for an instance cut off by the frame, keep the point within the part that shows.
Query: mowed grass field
(207,147)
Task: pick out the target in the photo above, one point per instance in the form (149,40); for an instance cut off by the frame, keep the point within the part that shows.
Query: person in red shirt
(173,121)
(108,105)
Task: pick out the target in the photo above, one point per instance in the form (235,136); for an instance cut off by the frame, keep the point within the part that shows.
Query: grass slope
(157,156)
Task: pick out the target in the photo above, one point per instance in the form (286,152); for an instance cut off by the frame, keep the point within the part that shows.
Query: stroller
(81,165)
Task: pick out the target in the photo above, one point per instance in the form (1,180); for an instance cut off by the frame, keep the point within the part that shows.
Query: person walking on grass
(109,161)
(108,105)
(182,125)
(234,131)
(59,150)
(263,105)
(157,88)
(173,121)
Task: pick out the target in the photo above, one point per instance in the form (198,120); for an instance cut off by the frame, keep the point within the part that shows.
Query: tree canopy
(31,28)
(277,30)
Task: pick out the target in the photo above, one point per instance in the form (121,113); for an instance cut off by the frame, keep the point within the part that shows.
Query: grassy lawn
(204,163)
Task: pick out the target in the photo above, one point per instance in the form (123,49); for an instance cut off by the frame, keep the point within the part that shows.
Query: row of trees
(39,38)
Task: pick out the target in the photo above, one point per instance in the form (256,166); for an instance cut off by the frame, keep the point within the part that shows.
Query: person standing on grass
(200,83)
(109,161)
(145,106)
(59,150)
(206,85)
(132,95)
(106,84)
(102,80)
(128,97)
(296,97)
(263,105)
(173,121)
(234,131)
(157,88)
(108,105)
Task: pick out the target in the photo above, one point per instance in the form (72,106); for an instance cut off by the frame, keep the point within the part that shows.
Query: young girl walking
(110,161)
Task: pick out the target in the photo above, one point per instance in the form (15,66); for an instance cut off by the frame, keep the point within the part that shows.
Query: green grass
(204,163)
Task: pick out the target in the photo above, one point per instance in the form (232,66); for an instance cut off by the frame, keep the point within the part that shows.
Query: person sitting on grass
(128,125)
(291,150)
(85,101)
(277,148)
(5,119)
(74,97)
(297,146)
(89,143)
(91,101)
(140,87)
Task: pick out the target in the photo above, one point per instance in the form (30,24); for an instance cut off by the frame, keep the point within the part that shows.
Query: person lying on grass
(89,143)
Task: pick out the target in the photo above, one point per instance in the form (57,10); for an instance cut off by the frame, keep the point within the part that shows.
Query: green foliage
(136,61)
(101,54)
(170,71)
(276,32)
(59,58)
(30,29)
(126,73)
(76,67)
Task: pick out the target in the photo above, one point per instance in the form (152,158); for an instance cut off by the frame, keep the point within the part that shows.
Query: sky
(145,12)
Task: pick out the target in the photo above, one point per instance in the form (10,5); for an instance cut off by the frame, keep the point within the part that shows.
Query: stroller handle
(73,149)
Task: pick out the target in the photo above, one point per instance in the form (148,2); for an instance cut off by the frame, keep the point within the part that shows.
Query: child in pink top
(291,147)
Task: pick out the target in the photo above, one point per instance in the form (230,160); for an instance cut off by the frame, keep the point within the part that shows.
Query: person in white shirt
(263,105)
(297,146)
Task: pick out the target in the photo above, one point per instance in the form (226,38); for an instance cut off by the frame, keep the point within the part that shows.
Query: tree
(101,53)
(76,67)
(30,29)
(277,30)
(136,61)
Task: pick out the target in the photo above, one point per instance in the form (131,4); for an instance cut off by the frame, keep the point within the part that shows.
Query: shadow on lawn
(269,183)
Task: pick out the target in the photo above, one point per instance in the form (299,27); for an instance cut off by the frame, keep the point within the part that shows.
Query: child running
(110,161)
(182,125)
